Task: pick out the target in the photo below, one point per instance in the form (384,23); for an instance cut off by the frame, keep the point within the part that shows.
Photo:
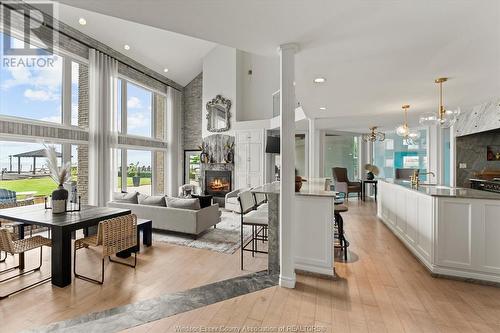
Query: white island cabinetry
(454,232)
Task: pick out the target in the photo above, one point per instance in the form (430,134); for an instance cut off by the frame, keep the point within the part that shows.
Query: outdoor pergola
(30,154)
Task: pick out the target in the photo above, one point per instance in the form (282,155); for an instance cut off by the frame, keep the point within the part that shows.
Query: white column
(314,149)
(434,154)
(287,184)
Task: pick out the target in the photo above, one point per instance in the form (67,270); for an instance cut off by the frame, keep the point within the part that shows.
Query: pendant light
(404,130)
(444,118)
(374,135)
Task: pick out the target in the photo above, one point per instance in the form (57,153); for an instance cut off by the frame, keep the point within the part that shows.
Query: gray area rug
(224,239)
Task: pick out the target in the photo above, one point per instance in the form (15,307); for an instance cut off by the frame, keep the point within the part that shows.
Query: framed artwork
(493,153)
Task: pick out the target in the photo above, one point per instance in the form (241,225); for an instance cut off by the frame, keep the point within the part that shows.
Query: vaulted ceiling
(153,47)
(376,55)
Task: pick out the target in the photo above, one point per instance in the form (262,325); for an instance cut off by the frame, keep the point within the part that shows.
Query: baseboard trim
(287,282)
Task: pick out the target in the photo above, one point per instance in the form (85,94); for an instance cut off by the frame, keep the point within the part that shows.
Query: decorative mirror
(218,114)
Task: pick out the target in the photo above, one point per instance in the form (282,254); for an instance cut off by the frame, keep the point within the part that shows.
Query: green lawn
(44,186)
(144,181)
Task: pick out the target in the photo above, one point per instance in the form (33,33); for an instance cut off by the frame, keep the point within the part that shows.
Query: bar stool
(257,219)
(339,232)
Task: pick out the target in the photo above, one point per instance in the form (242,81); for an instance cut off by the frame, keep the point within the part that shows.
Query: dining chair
(9,245)
(342,183)
(113,235)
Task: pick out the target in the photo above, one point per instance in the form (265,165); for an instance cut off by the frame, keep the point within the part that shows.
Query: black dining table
(62,227)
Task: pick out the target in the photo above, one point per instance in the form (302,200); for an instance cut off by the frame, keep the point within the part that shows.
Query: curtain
(103,134)
(174,151)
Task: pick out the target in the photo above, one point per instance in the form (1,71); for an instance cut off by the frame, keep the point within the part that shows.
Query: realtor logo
(31,22)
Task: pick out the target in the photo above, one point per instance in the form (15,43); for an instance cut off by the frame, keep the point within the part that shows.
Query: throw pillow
(152,200)
(193,204)
(126,197)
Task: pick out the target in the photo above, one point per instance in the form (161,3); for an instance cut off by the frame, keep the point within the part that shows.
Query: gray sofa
(187,221)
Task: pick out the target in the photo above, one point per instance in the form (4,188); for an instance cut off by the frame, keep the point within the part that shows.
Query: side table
(374,182)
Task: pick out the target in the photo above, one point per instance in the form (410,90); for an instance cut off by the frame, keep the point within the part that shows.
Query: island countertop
(312,187)
(445,191)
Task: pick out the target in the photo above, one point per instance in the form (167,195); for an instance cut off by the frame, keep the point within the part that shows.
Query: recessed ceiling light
(82,21)
(126,47)
(319,80)
(165,70)
(323,108)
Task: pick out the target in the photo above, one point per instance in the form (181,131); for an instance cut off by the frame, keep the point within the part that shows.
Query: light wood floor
(382,288)
(161,269)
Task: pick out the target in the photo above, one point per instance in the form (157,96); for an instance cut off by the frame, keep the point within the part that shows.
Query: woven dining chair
(9,245)
(114,235)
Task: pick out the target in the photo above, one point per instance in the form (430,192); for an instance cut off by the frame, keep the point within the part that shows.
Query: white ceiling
(376,55)
(155,48)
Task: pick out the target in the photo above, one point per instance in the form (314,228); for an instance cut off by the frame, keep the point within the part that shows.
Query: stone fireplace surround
(216,149)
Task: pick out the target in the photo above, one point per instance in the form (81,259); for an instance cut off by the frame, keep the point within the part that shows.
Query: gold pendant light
(444,118)
(404,130)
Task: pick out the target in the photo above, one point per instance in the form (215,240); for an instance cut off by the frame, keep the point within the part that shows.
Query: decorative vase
(204,157)
(229,157)
(59,199)
(298,183)
(136,180)
(370,175)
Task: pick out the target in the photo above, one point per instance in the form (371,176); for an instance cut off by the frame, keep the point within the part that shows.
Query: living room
(233,165)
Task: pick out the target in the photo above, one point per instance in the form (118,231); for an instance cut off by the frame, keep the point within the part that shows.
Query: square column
(287,184)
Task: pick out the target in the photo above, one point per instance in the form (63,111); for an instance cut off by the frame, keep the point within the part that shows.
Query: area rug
(225,238)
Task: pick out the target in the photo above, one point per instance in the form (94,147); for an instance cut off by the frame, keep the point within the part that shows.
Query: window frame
(65,101)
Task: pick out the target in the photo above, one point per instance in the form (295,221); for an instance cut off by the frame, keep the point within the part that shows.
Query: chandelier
(404,130)
(444,118)
(374,135)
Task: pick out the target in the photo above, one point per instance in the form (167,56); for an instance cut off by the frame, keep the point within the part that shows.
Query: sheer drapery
(174,125)
(103,134)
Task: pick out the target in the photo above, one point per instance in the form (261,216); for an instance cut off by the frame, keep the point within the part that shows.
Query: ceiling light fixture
(323,108)
(374,135)
(126,47)
(404,130)
(82,21)
(165,70)
(444,118)
(319,80)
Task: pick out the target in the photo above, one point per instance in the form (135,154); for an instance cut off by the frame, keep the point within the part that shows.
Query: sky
(35,92)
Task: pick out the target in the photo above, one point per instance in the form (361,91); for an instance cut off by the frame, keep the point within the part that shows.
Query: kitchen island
(453,231)
(312,226)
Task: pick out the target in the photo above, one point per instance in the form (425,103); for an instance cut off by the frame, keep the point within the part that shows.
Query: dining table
(62,227)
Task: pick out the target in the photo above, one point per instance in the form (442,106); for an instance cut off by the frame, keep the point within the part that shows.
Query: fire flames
(218,184)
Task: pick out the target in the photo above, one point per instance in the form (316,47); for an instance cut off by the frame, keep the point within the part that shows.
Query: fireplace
(217,182)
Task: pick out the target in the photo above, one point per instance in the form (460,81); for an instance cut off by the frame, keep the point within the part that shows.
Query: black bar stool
(339,233)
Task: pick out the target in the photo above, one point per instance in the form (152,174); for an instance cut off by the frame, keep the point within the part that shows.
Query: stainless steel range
(486,185)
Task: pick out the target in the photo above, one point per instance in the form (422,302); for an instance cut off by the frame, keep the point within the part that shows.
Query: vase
(298,183)
(59,199)
(136,180)
(370,175)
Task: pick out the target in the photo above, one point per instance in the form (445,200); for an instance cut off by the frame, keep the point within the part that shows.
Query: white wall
(255,90)
(219,78)
(251,96)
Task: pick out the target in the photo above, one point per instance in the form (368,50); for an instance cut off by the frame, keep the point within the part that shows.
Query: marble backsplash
(481,118)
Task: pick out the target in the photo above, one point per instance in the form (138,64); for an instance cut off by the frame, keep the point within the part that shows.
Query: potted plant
(371,171)
(60,175)
(135,173)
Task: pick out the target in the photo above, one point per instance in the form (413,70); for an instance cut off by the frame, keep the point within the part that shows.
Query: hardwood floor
(382,288)
(161,269)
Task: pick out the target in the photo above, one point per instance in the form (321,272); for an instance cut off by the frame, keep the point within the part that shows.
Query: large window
(24,168)
(33,87)
(135,175)
(396,153)
(341,151)
(135,104)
